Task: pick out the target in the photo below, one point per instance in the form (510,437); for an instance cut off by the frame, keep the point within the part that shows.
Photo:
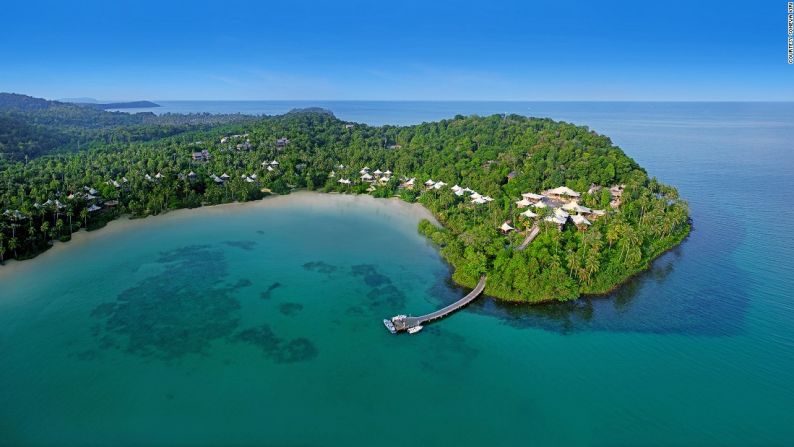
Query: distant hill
(30,127)
(15,101)
(311,111)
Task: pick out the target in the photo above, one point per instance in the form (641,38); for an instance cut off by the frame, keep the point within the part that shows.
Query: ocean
(261,323)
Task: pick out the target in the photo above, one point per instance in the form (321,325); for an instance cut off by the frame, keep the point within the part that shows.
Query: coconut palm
(59,226)
(70,214)
(12,245)
(84,216)
(45,230)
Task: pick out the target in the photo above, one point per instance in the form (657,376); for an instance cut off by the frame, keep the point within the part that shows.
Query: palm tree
(59,226)
(12,245)
(84,216)
(70,214)
(613,233)
(572,263)
(45,230)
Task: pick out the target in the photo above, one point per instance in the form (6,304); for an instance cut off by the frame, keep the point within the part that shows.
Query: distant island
(546,210)
(121,105)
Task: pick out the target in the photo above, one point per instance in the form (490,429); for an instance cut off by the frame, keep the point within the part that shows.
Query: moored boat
(389,325)
(415,329)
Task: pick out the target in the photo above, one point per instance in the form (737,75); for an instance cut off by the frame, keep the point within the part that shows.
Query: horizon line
(451,100)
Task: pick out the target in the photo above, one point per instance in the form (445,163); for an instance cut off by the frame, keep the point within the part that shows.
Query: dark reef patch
(267,294)
(177,312)
(355,310)
(320,267)
(386,297)
(448,352)
(244,282)
(276,348)
(262,232)
(371,275)
(242,245)
(290,308)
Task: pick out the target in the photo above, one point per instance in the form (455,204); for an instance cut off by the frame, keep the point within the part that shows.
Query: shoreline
(309,198)
(125,222)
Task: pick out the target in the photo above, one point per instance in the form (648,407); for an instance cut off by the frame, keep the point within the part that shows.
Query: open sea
(260,324)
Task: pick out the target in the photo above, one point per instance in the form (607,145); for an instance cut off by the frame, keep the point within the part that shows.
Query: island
(546,210)
(122,105)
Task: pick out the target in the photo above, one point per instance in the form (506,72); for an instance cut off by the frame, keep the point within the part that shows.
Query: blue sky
(406,50)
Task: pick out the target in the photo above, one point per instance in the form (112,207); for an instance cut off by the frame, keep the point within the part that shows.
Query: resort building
(595,214)
(562,193)
(367,177)
(344,181)
(528,214)
(616,193)
(581,222)
(576,208)
(282,142)
(429,183)
(559,217)
(408,184)
(532,197)
(202,155)
(523,203)
(506,228)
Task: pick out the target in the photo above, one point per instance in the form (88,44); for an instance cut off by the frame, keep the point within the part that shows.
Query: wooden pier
(532,233)
(403,323)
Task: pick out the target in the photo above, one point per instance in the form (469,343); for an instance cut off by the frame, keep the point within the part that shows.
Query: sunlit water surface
(261,324)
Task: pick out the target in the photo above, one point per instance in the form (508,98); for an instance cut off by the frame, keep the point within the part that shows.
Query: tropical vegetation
(140,166)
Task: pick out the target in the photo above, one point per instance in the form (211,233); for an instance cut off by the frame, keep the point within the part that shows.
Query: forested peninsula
(547,210)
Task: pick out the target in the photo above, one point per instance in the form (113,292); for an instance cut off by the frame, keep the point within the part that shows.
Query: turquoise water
(261,324)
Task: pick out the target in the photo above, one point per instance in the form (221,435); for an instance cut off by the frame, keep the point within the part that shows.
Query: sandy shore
(307,199)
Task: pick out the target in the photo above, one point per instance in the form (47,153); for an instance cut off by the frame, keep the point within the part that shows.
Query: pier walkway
(532,233)
(403,323)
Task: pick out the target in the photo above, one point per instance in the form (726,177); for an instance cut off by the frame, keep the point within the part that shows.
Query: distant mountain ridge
(30,126)
(19,102)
